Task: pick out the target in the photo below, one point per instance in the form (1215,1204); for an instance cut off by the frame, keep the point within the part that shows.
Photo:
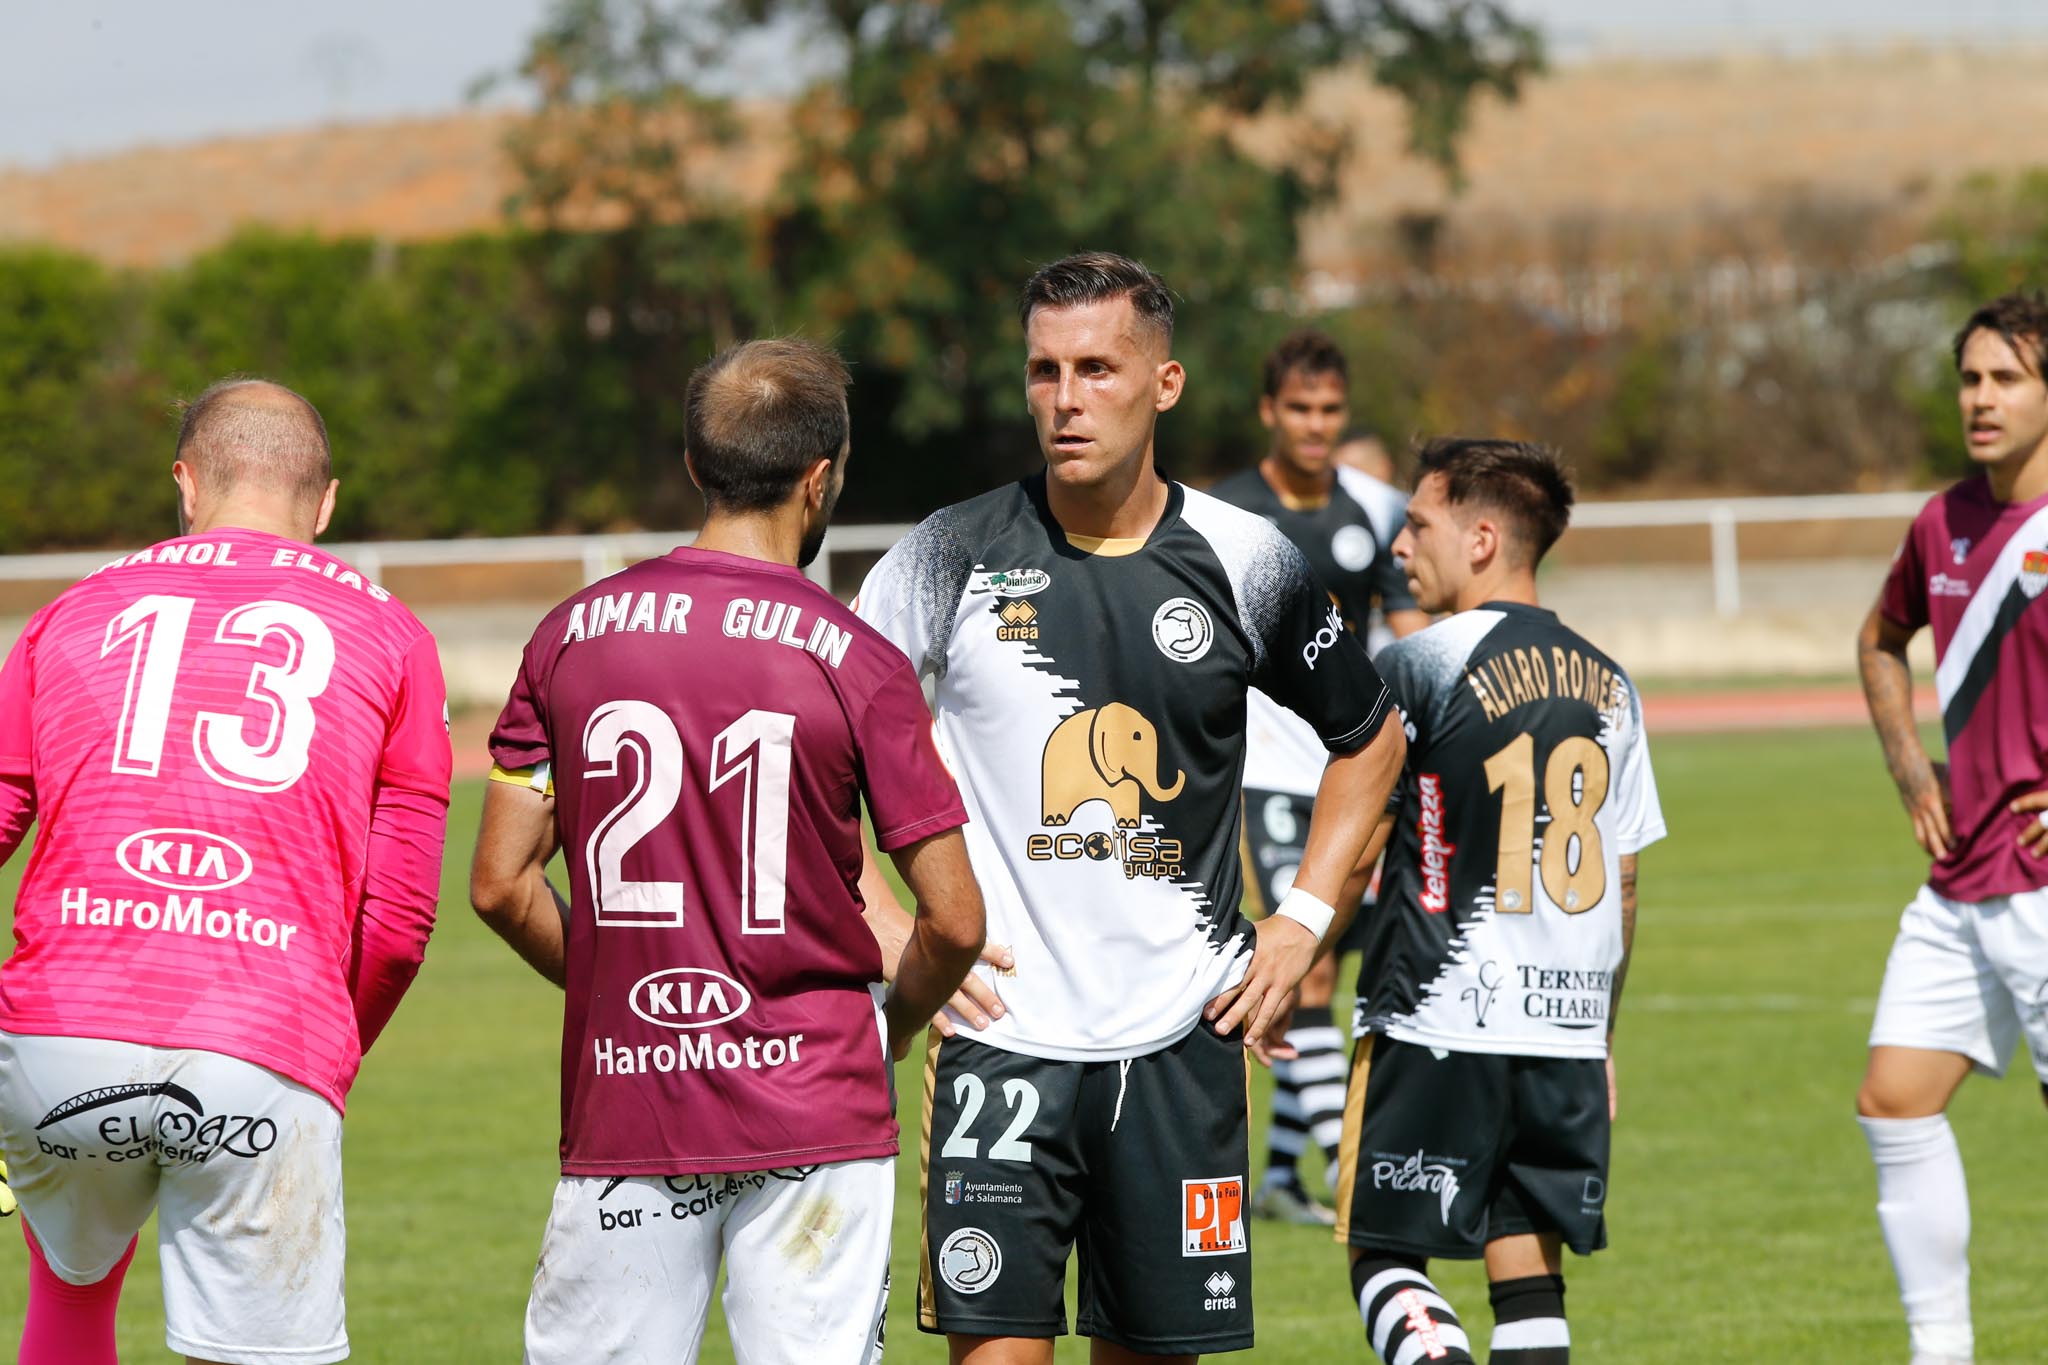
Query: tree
(953,145)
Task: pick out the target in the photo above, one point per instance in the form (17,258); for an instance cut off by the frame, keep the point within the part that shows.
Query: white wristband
(1305,910)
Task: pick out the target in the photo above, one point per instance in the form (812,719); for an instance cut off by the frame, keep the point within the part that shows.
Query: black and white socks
(1529,1327)
(1406,1319)
(1308,1095)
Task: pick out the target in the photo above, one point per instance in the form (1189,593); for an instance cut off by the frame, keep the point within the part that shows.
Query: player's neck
(769,537)
(1121,507)
(256,517)
(1508,585)
(2021,479)
(1297,489)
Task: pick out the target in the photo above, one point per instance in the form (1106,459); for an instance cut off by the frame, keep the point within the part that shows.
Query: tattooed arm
(1888,690)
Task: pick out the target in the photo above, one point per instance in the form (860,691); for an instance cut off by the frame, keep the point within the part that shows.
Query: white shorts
(242,1166)
(628,1263)
(1968,977)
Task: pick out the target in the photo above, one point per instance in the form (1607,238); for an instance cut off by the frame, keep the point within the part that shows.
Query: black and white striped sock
(1308,1096)
(1406,1320)
(1529,1327)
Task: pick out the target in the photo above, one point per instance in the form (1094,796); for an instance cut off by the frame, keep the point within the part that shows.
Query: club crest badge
(2034,572)
(1959,549)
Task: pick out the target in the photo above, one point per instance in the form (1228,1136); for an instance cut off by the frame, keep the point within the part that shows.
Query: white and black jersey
(1348,542)
(1090,698)
(1528,777)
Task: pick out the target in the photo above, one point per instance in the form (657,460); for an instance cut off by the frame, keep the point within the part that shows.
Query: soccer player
(1969,970)
(1091,634)
(1482,1083)
(237,748)
(696,734)
(1343,522)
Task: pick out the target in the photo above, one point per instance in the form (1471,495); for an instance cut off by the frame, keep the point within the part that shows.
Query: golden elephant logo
(1109,753)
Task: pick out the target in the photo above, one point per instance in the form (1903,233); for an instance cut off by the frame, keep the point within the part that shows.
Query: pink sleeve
(17,698)
(408,826)
(17,812)
(1904,599)
(908,790)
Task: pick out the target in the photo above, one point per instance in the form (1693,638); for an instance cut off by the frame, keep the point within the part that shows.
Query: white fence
(599,555)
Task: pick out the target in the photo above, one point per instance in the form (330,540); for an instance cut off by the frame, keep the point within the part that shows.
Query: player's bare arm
(1349,801)
(944,940)
(1353,896)
(1888,691)
(1628,947)
(508,884)
(975,1000)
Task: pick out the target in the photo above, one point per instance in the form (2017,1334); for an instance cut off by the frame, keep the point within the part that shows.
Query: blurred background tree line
(529,379)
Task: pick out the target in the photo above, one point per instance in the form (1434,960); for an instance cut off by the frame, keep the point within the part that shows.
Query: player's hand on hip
(1927,804)
(1283,950)
(976,1003)
(2034,835)
(1274,1047)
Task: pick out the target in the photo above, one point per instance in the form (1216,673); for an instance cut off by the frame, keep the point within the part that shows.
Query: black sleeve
(1315,667)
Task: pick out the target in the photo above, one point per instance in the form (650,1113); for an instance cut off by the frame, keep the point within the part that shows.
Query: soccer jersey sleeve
(1639,819)
(913,594)
(519,741)
(1315,667)
(909,792)
(1904,599)
(408,831)
(17,698)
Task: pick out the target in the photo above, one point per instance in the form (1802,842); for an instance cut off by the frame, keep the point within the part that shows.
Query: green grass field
(1741,1217)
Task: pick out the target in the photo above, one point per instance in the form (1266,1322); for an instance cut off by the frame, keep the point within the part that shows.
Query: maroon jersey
(1975,569)
(712,723)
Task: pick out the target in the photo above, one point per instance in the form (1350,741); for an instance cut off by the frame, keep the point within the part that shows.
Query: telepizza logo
(2034,572)
(1212,1217)
(1436,852)
(1108,753)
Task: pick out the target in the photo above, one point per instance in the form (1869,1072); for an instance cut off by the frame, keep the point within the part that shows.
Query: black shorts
(1275,834)
(1141,1163)
(1441,1155)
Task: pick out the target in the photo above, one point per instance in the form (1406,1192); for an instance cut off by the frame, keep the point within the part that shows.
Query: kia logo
(184,859)
(688,997)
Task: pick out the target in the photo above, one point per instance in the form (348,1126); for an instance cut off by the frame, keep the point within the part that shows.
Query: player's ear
(1172,379)
(690,468)
(188,495)
(1267,416)
(326,512)
(1483,542)
(818,484)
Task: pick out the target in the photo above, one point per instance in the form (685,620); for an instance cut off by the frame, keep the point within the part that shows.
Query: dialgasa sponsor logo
(1436,853)
(1008,582)
(184,859)
(688,997)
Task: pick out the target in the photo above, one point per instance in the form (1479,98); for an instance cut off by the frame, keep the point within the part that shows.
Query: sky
(92,76)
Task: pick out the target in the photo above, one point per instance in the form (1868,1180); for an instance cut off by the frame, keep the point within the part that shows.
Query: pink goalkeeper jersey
(712,724)
(1976,571)
(206,725)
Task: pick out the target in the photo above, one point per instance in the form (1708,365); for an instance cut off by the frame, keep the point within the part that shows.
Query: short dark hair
(2019,316)
(759,414)
(1093,277)
(1306,352)
(1525,484)
(245,430)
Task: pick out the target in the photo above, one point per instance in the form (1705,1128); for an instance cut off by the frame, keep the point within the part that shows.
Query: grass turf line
(1740,1212)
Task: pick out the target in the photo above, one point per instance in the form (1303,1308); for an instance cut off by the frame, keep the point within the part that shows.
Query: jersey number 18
(1574,789)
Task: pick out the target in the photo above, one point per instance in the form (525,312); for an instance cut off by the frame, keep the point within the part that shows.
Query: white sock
(1923,1205)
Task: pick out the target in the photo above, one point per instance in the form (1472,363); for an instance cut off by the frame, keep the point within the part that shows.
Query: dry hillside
(1600,157)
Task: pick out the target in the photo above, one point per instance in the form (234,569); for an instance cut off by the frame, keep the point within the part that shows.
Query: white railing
(599,555)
